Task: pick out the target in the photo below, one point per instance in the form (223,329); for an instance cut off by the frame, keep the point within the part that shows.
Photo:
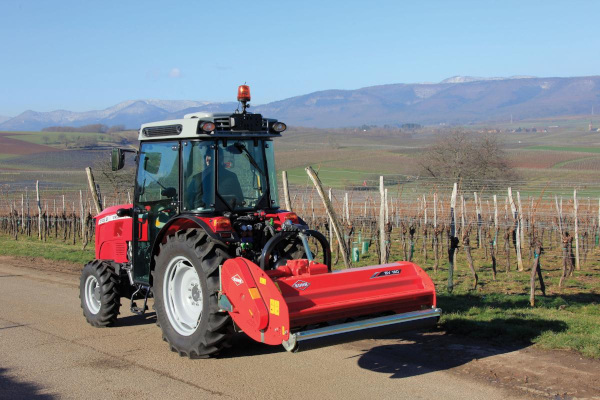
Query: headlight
(279,127)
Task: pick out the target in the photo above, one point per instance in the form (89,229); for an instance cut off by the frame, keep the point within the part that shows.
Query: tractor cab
(215,171)
(222,170)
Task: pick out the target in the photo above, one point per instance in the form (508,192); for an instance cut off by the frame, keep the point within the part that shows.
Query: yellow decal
(274,309)
(251,313)
(262,281)
(283,330)
(254,293)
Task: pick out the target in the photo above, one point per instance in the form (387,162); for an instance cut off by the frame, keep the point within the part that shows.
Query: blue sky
(81,55)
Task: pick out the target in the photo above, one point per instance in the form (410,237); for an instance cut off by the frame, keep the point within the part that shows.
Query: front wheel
(99,293)
(186,284)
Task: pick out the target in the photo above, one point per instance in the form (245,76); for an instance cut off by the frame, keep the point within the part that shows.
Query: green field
(57,139)
(567,148)
(6,156)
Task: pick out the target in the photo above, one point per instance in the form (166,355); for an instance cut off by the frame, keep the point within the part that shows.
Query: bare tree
(116,128)
(466,156)
(114,182)
(62,138)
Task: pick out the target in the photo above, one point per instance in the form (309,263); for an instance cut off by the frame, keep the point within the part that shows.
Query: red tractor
(206,238)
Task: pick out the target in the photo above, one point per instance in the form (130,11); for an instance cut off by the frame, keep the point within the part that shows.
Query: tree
(91,128)
(88,141)
(466,156)
(333,143)
(62,138)
(115,182)
(116,128)
(45,139)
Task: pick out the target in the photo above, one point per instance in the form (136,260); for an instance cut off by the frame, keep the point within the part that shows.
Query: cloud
(175,73)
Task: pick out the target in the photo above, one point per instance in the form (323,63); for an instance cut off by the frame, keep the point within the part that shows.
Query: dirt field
(20,147)
(47,350)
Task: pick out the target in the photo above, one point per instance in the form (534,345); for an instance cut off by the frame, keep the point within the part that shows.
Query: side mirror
(118,159)
(169,192)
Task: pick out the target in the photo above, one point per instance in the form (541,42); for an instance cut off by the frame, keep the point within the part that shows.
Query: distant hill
(456,100)
(460,101)
(130,113)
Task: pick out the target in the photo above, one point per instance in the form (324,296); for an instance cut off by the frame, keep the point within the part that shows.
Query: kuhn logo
(237,280)
(300,285)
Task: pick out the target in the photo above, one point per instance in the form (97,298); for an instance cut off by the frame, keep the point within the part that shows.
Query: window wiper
(242,147)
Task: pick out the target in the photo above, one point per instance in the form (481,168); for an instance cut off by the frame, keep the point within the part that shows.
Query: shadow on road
(12,389)
(243,346)
(133,320)
(421,353)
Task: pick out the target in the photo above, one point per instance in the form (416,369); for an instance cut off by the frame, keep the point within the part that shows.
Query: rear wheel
(99,293)
(186,284)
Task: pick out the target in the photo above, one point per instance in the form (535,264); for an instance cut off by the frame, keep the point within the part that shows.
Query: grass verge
(52,249)
(570,322)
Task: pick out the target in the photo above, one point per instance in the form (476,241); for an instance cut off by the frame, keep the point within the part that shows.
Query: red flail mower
(206,238)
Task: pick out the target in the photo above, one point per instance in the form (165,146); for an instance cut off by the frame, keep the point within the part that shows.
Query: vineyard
(412,219)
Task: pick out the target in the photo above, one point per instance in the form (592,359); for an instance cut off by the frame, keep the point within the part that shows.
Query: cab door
(156,200)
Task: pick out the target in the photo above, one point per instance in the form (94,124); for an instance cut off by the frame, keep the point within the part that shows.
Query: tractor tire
(99,293)
(185,286)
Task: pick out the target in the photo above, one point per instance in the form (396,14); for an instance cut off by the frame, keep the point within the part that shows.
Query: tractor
(207,239)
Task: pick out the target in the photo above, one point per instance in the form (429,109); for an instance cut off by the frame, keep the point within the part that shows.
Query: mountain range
(456,100)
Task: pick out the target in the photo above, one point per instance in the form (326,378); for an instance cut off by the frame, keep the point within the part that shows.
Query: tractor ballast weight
(206,238)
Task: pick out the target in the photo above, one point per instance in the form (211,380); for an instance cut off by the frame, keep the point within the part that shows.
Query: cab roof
(226,125)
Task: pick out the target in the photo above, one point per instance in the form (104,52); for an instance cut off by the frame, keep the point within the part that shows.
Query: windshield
(243,176)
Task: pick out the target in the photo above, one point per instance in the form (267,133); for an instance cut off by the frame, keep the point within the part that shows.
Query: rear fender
(183,222)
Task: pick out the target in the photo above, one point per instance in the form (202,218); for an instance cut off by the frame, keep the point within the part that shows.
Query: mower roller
(206,238)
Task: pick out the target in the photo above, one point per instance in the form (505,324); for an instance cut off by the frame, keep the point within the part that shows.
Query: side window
(198,176)
(158,172)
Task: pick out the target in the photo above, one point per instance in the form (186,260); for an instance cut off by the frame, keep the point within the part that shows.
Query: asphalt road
(47,350)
